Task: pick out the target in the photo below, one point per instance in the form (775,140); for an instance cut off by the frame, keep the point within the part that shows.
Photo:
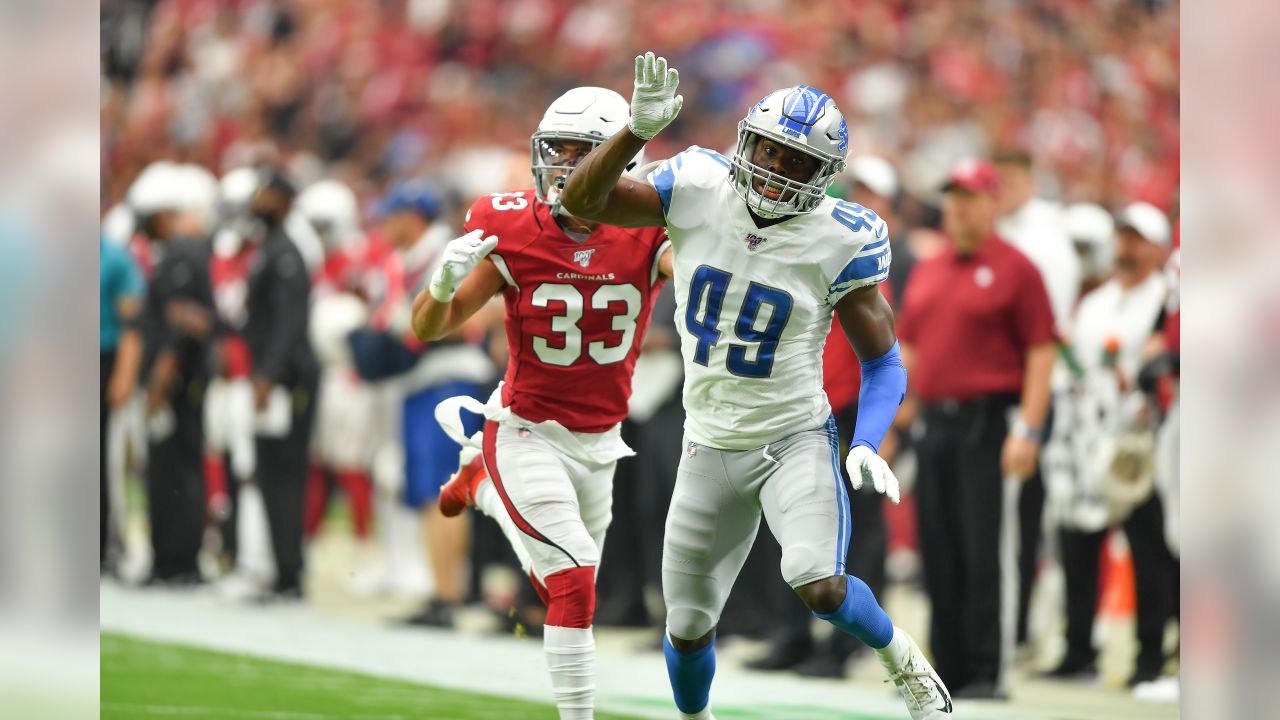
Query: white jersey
(754,305)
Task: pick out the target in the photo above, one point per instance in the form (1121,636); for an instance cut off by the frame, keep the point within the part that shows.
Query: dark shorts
(431,456)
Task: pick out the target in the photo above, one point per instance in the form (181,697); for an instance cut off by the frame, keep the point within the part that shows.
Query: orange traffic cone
(1119,597)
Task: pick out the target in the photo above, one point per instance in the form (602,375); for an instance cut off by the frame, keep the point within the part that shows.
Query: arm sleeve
(289,291)
(884,384)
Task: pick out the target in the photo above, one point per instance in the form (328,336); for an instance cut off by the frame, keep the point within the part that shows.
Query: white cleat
(917,682)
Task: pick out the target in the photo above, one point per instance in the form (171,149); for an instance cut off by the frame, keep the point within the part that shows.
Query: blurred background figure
(978,338)
(349,428)
(1103,454)
(285,377)
(120,295)
(1037,227)
(1093,233)
(174,204)
(412,226)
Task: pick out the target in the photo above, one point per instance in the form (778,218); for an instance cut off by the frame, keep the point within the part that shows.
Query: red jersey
(971,319)
(576,311)
(229,275)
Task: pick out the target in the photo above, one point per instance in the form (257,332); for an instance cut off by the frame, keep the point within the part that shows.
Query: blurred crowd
(279,178)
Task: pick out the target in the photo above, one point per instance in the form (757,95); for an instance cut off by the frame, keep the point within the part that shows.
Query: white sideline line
(501,666)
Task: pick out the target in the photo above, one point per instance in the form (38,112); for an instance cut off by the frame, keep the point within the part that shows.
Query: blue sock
(860,615)
(690,674)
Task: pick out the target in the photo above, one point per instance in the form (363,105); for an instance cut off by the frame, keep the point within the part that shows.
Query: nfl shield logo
(754,241)
(583,257)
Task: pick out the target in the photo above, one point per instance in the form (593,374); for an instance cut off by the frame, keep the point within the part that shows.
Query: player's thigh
(537,488)
(709,531)
(807,506)
(593,484)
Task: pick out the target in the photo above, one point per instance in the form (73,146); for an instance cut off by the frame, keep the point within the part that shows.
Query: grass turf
(143,679)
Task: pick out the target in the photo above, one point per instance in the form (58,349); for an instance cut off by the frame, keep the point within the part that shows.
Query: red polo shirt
(970,320)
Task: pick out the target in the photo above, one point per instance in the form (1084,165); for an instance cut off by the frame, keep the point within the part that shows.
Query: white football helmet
(1093,231)
(584,114)
(158,188)
(198,193)
(333,212)
(801,118)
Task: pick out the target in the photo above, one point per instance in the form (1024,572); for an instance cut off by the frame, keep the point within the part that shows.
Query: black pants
(960,501)
(175,488)
(282,478)
(1155,576)
(1030,525)
(106,368)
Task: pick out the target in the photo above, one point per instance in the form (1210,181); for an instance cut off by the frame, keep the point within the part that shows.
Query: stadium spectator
(978,337)
(285,377)
(1106,473)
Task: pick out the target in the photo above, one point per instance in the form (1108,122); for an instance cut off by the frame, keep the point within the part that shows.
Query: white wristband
(440,290)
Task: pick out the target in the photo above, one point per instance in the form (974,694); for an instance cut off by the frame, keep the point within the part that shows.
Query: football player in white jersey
(763,257)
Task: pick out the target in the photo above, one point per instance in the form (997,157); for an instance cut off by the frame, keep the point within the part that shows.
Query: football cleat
(917,682)
(460,492)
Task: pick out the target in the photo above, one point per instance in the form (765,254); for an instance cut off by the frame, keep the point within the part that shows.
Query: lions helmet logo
(583,257)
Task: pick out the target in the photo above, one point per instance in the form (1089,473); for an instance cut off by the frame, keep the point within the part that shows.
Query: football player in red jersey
(578,297)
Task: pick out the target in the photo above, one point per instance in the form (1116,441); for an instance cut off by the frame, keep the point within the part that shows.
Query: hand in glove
(654,102)
(863,464)
(461,256)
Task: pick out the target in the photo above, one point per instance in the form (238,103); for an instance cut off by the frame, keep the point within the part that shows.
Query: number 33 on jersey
(576,311)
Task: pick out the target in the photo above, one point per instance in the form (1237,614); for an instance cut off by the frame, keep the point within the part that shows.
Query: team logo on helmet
(583,257)
(754,241)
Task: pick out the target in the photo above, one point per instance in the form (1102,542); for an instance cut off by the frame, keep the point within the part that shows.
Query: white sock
(571,660)
(253,536)
(705,714)
(490,503)
(895,653)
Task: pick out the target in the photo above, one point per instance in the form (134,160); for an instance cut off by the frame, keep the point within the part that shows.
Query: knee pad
(687,623)
(572,595)
(801,564)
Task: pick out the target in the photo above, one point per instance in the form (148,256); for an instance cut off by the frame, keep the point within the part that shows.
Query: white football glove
(654,102)
(863,465)
(461,256)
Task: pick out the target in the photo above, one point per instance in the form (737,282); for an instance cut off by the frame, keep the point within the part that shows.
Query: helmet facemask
(554,159)
(796,197)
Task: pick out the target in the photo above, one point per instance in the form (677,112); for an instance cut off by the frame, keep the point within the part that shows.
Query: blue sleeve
(884,384)
(870,266)
(132,284)
(664,181)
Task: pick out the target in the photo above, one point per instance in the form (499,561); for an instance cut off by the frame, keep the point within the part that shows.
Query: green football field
(142,679)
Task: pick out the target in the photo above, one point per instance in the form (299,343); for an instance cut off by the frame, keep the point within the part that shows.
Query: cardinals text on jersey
(754,304)
(576,311)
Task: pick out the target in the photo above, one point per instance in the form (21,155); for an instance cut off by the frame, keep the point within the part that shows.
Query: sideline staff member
(285,377)
(977,332)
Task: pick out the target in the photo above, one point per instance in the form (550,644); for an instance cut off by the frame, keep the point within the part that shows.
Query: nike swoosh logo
(946,696)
